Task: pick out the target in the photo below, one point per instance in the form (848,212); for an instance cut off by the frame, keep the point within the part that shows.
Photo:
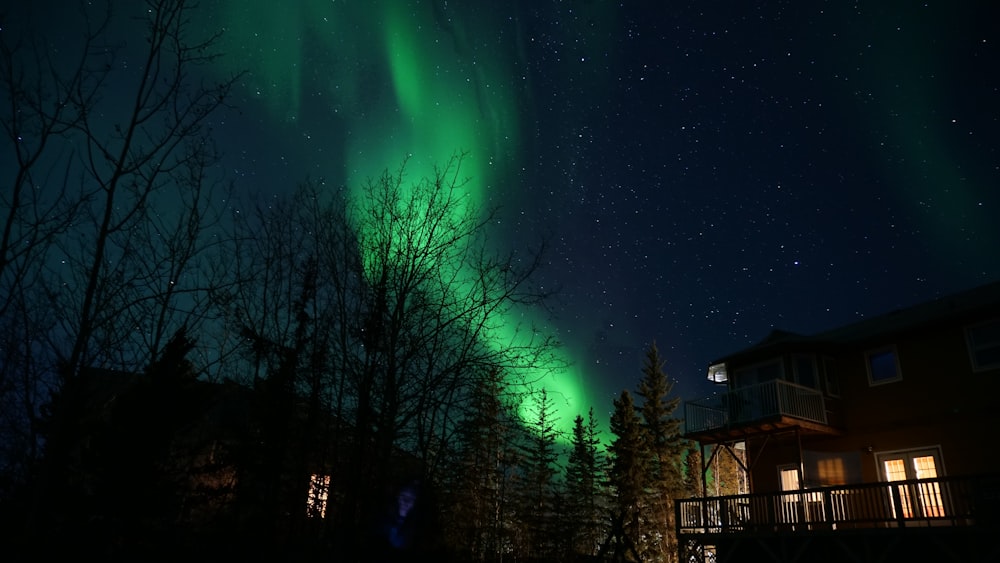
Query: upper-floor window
(984,345)
(830,378)
(804,367)
(759,373)
(883,366)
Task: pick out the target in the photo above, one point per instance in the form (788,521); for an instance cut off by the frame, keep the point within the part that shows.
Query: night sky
(704,172)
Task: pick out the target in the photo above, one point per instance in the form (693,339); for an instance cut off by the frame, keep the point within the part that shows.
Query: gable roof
(980,301)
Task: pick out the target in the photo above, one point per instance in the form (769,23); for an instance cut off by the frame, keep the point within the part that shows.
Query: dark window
(830,377)
(805,371)
(760,373)
(883,367)
(984,345)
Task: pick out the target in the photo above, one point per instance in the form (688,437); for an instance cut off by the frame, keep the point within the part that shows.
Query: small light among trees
(319,490)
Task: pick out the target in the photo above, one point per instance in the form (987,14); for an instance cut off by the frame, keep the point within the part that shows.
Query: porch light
(717,373)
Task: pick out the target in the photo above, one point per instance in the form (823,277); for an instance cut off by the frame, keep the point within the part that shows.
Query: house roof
(980,301)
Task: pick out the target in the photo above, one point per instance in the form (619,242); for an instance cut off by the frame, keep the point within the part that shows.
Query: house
(872,441)
(178,465)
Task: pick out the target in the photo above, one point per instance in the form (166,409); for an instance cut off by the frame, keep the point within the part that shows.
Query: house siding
(940,404)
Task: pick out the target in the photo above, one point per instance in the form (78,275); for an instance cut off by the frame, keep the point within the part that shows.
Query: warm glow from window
(319,490)
(831,471)
(789,479)
(895,470)
(918,499)
(930,493)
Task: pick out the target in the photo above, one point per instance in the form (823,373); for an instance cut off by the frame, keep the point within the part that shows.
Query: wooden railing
(944,501)
(754,402)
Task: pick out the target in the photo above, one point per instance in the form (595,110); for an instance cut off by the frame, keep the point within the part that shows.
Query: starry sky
(704,172)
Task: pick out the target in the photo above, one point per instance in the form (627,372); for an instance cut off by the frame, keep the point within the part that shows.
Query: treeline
(183,370)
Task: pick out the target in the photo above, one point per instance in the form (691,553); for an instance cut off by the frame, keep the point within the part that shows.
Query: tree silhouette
(480,473)
(539,494)
(585,495)
(118,163)
(628,472)
(665,477)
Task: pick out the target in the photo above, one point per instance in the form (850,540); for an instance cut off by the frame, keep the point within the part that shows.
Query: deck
(950,518)
(951,501)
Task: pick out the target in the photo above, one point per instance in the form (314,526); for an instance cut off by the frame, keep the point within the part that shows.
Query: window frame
(975,348)
(789,468)
(831,385)
(817,382)
(318,495)
(869,354)
(740,375)
(918,501)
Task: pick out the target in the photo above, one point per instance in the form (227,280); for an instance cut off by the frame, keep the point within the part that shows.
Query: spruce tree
(481,473)
(693,472)
(585,501)
(629,464)
(665,457)
(540,469)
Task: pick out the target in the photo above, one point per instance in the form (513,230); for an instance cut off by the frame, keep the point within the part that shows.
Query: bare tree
(102,256)
(289,312)
(385,310)
(438,296)
(142,166)
(39,114)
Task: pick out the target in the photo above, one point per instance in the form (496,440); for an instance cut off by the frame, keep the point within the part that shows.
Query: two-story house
(872,441)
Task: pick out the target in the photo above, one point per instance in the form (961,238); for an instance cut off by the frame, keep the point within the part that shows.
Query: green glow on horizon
(404,87)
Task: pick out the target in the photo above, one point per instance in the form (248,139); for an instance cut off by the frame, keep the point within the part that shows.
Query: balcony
(941,519)
(761,407)
(942,501)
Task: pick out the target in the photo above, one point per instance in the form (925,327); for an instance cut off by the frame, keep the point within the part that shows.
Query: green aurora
(404,82)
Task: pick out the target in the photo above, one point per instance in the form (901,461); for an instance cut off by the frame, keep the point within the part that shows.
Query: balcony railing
(944,501)
(754,402)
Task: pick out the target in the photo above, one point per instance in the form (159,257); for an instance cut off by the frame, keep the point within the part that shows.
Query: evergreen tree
(585,501)
(728,477)
(540,469)
(483,465)
(629,464)
(693,471)
(665,457)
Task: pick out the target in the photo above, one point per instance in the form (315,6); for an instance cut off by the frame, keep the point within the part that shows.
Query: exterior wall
(940,402)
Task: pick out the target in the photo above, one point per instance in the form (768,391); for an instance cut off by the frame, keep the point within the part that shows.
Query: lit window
(832,471)
(717,373)
(789,479)
(883,367)
(319,490)
(921,495)
(984,345)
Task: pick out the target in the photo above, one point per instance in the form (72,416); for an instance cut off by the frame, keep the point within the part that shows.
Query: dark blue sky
(722,169)
(704,171)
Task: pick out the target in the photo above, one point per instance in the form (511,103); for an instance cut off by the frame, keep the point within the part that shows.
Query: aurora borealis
(399,81)
(704,172)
